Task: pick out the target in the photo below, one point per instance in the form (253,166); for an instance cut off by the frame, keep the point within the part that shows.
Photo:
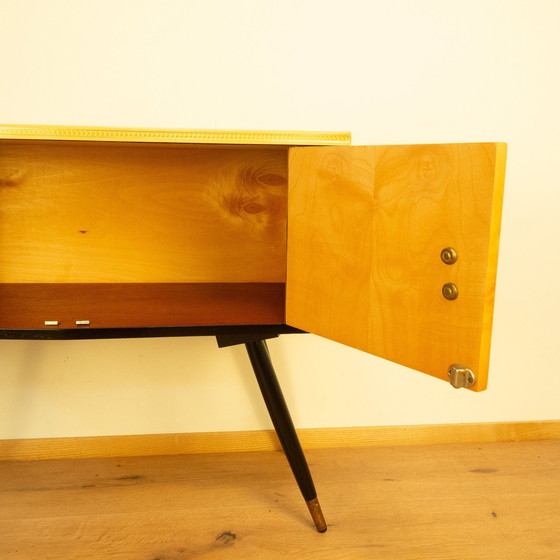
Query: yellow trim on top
(184,136)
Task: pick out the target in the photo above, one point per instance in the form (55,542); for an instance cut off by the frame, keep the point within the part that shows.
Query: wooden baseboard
(263,440)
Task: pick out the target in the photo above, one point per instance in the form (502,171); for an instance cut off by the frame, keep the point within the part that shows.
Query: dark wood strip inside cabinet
(130,305)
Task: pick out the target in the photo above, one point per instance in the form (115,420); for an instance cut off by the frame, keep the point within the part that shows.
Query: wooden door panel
(366,227)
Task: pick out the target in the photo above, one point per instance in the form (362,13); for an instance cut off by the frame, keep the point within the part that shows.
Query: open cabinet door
(366,229)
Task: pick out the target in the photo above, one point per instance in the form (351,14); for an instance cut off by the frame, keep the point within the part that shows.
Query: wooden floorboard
(440,502)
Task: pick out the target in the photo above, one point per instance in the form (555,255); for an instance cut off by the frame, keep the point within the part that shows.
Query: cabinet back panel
(74,212)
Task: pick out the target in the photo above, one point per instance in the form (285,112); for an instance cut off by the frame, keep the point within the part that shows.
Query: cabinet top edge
(182,136)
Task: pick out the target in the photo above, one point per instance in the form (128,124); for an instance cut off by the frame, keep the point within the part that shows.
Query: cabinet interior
(140,234)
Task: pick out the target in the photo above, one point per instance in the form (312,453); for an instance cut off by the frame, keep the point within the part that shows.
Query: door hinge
(461,376)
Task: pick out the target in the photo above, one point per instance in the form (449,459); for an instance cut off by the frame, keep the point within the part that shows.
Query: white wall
(391,71)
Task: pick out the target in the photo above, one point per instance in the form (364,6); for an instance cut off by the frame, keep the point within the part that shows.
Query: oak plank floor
(437,502)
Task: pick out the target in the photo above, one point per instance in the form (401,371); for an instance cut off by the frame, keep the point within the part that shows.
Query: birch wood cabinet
(109,229)
(110,233)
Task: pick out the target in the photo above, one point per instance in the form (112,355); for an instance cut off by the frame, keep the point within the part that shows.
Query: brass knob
(449,255)
(450,291)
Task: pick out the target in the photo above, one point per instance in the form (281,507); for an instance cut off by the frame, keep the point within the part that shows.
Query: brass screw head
(449,255)
(450,291)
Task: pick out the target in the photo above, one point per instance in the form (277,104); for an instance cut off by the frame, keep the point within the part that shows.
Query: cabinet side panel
(375,277)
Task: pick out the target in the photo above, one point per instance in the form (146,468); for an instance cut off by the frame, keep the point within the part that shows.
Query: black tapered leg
(280,415)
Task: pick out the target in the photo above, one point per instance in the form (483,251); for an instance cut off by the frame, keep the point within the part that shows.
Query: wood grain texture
(28,306)
(366,228)
(265,440)
(449,502)
(110,212)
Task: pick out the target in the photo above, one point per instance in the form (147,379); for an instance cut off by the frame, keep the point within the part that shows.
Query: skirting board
(264,440)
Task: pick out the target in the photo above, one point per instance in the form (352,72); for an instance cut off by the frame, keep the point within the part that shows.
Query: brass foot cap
(317,515)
